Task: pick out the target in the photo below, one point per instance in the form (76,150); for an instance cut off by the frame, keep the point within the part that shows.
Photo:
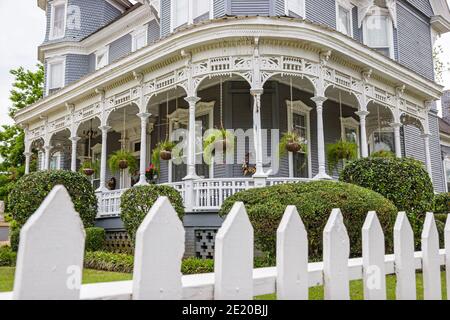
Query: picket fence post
(373,250)
(158,253)
(51,249)
(292,257)
(447,254)
(431,268)
(233,257)
(336,252)
(404,258)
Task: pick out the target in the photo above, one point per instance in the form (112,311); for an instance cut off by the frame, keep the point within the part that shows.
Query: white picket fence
(50,259)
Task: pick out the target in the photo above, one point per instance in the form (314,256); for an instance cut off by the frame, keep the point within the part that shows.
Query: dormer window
(101,58)
(344,18)
(187,11)
(295,8)
(378,31)
(139,38)
(58,19)
(55,74)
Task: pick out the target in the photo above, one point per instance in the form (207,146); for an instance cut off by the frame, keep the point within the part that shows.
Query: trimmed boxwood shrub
(31,190)
(403,181)
(7,257)
(136,202)
(442,203)
(314,201)
(95,239)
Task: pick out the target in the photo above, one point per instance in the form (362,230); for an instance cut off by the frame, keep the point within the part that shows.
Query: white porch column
(102,186)
(259,176)
(362,122)
(27,161)
(398,145)
(426,141)
(47,150)
(73,159)
(322,174)
(189,196)
(143,153)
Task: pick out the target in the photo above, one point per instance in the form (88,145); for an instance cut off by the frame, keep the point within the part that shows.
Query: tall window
(295,8)
(55,74)
(378,32)
(344,17)
(57,20)
(350,130)
(101,58)
(186,11)
(447,172)
(139,37)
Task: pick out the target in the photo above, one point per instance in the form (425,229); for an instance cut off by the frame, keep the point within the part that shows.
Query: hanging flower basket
(292,142)
(88,171)
(165,155)
(123,164)
(219,140)
(122,160)
(88,167)
(163,150)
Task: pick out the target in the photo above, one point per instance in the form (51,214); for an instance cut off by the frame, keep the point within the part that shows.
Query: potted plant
(341,150)
(88,167)
(291,141)
(163,150)
(151,173)
(121,160)
(219,139)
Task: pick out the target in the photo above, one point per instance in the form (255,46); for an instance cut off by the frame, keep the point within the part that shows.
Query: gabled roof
(124,4)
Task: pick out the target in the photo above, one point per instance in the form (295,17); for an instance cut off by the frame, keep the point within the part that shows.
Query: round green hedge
(31,190)
(95,239)
(442,203)
(314,201)
(403,181)
(136,202)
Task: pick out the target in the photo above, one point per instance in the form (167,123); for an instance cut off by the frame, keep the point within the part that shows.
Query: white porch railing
(209,194)
(57,229)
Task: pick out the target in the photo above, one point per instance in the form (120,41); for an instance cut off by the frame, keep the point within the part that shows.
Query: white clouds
(23,30)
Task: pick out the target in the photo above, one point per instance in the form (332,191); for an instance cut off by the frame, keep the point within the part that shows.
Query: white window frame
(51,62)
(350,123)
(141,31)
(54,4)
(57,158)
(104,51)
(300,108)
(377,11)
(371,140)
(287,8)
(190,16)
(346,5)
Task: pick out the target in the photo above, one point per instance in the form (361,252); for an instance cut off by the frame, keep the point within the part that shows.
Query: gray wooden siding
(322,11)
(120,48)
(278,8)
(437,166)
(423,6)
(250,7)
(414,42)
(77,66)
(219,8)
(165,17)
(154,32)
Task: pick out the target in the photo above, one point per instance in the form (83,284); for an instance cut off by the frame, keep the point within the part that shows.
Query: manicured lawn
(316,293)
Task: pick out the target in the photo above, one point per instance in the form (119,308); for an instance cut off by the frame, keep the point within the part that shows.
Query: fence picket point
(292,257)
(159,250)
(431,269)
(233,257)
(373,251)
(51,251)
(404,258)
(336,252)
(447,253)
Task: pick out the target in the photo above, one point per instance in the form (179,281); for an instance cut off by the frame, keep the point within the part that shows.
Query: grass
(315,293)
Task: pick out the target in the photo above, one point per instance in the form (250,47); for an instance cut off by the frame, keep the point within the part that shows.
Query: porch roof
(231,28)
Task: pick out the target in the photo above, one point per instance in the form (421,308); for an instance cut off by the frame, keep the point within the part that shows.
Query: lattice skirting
(118,241)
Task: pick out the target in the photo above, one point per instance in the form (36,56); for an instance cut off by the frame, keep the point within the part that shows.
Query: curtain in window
(58,22)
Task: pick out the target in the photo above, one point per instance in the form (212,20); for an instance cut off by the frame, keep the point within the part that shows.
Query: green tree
(27,88)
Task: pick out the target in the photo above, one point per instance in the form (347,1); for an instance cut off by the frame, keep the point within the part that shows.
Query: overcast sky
(23,27)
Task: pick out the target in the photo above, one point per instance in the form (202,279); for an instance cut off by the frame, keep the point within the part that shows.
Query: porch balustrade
(209,194)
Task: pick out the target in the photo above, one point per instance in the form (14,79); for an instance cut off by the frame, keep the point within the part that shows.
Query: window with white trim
(101,58)
(55,74)
(378,32)
(57,20)
(139,38)
(350,130)
(295,7)
(344,17)
(382,140)
(55,161)
(186,11)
